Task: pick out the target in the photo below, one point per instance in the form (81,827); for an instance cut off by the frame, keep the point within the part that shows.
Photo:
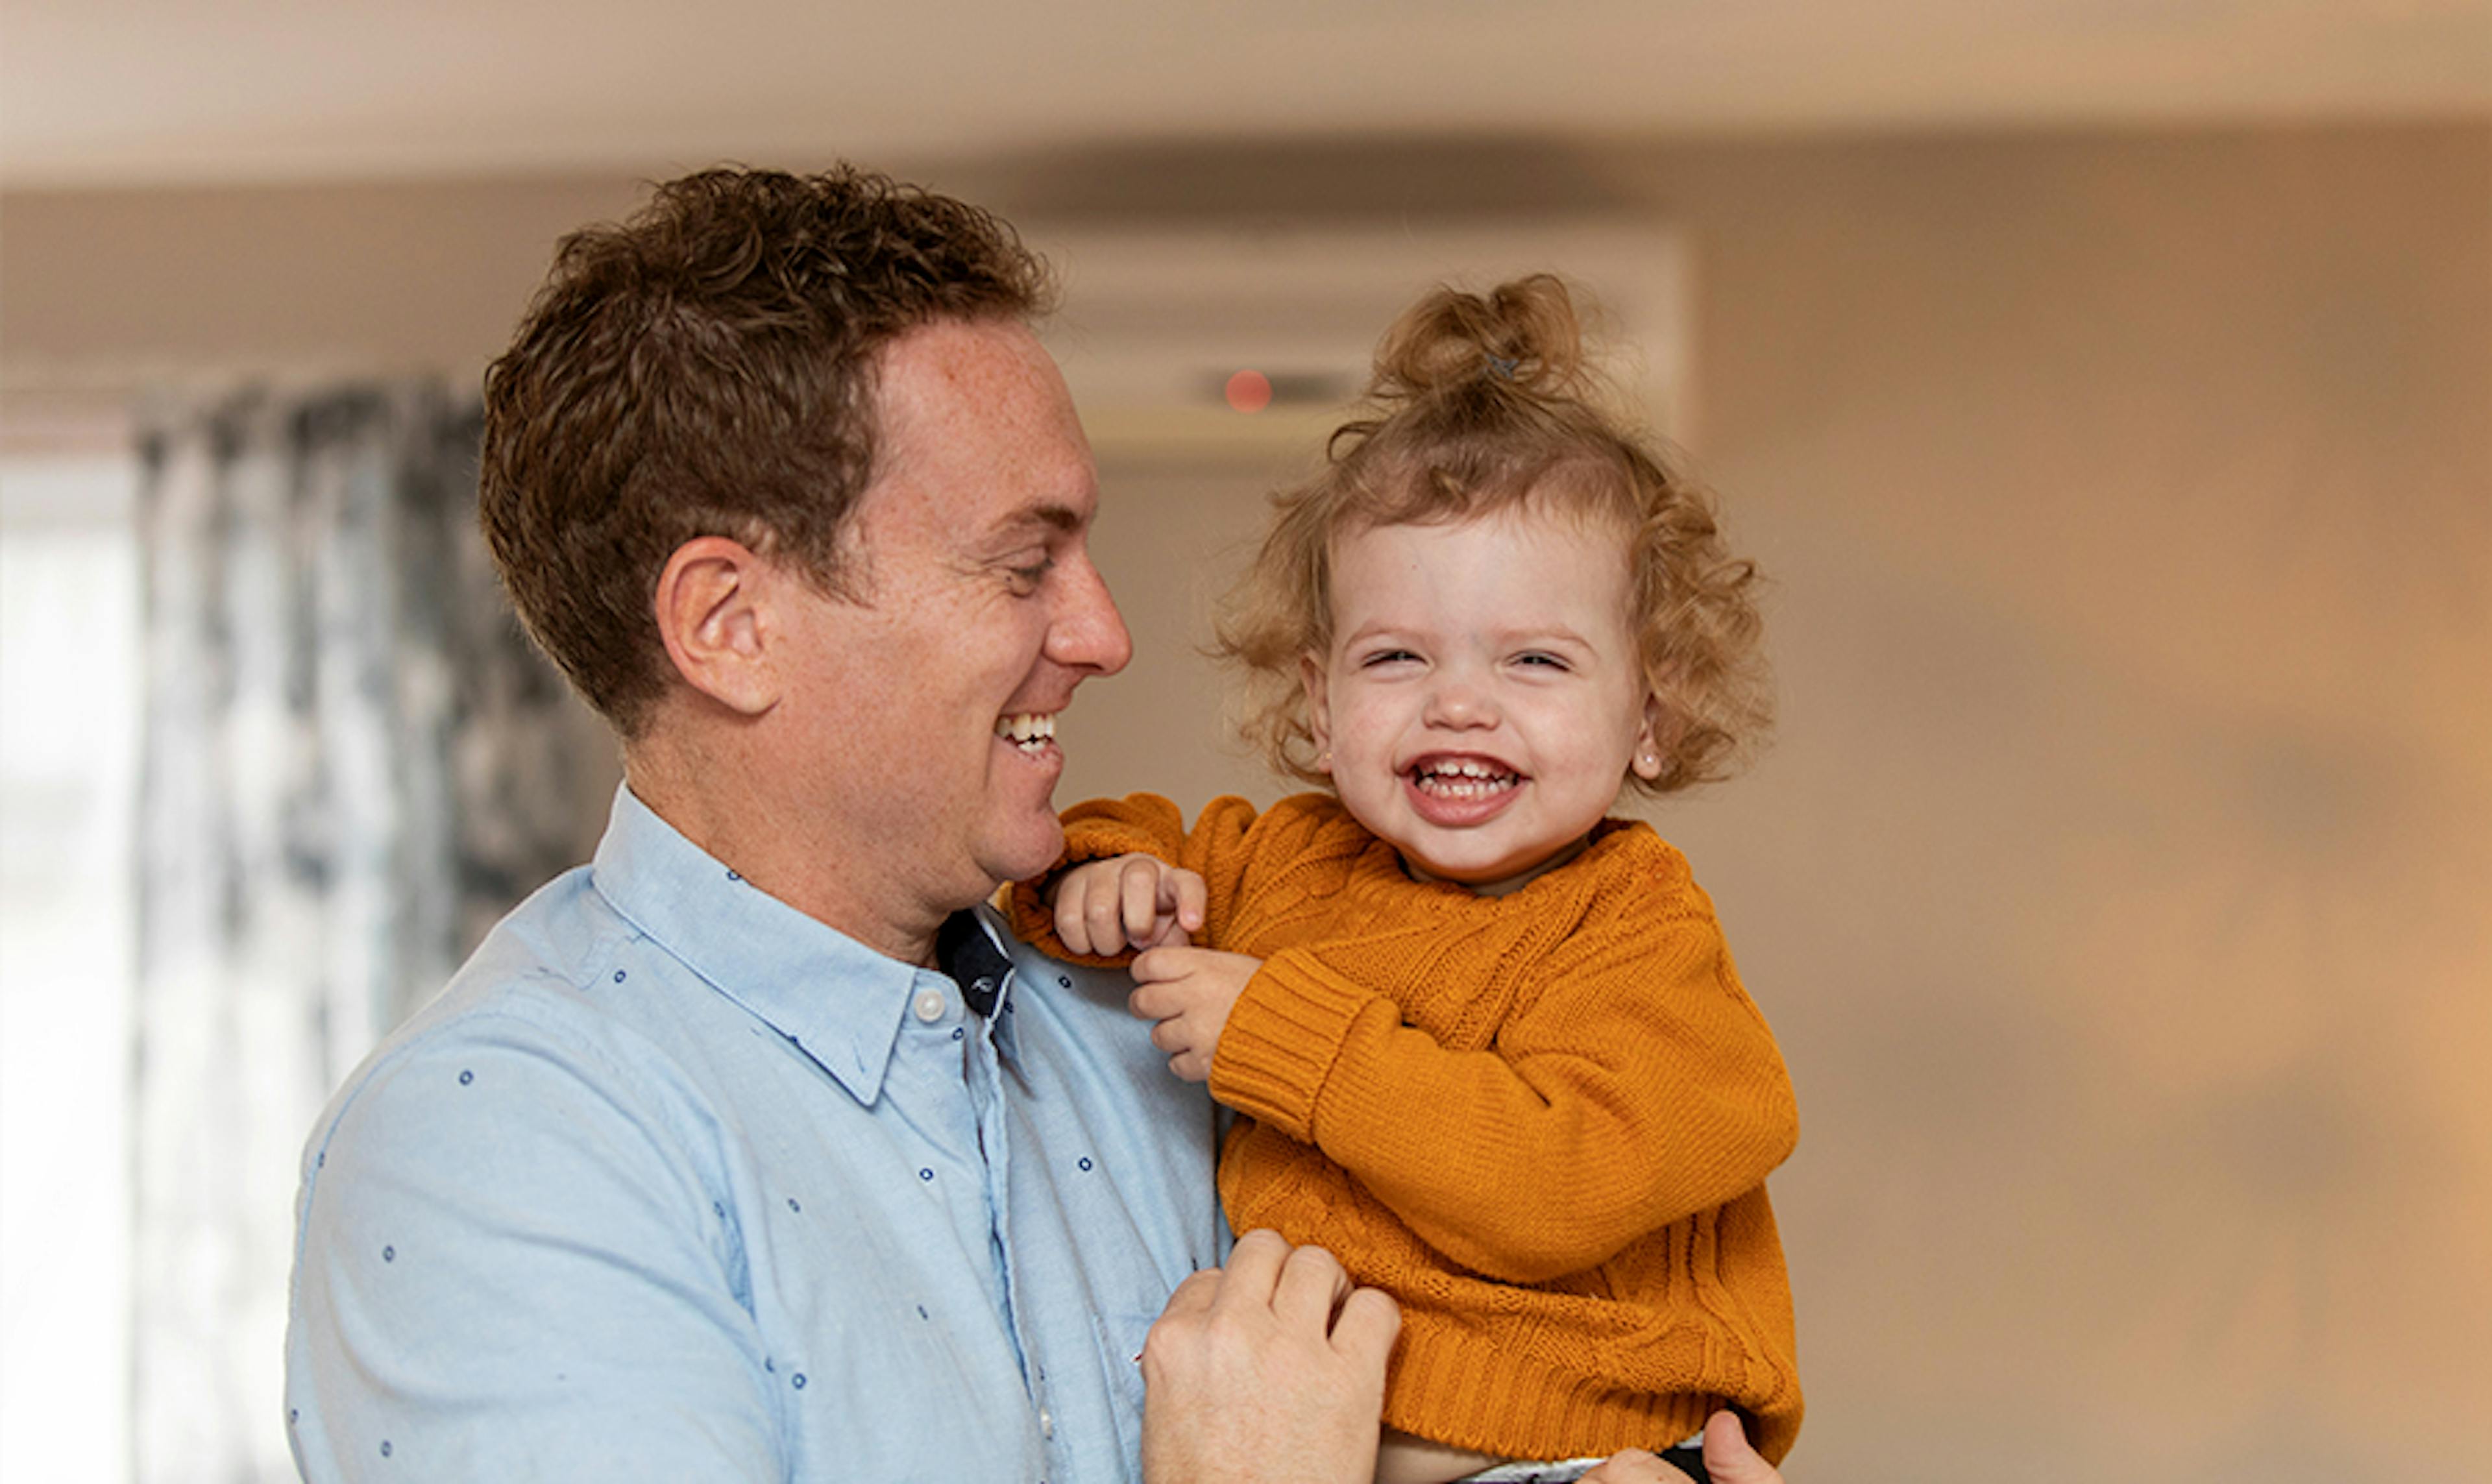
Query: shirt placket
(987,1094)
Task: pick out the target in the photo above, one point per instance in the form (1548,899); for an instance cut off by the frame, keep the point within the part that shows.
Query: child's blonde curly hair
(1481,402)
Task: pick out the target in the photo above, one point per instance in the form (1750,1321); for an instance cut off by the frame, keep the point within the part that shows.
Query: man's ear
(713,610)
(1311,674)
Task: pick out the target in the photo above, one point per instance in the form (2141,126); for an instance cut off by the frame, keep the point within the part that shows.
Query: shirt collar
(838,1001)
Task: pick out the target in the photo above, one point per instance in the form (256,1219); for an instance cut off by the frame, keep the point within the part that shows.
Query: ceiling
(98,92)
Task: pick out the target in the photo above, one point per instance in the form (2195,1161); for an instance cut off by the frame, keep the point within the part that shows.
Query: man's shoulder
(535,964)
(527,992)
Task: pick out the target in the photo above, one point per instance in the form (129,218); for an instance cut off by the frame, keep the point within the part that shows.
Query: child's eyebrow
(1557,633)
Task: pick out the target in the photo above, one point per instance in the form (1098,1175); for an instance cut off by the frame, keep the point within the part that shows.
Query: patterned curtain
(353,765)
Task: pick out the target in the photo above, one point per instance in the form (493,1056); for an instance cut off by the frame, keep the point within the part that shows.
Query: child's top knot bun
(1522,336)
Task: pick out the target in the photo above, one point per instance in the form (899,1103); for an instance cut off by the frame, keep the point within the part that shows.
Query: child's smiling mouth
(1456,790)
(1462,778)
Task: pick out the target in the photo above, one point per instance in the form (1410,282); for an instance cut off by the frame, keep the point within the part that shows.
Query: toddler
(1485,1043)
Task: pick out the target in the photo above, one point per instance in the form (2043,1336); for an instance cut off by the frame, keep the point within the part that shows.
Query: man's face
(928,703)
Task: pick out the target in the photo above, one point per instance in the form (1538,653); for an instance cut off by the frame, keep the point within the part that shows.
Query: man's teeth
(1030,729)
(1466,779)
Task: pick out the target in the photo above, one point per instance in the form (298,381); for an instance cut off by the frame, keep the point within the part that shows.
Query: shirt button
(930,1006)
(1046,1423)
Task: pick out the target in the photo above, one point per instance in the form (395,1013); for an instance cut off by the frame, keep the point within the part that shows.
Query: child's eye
(1386,657)
(1539,658)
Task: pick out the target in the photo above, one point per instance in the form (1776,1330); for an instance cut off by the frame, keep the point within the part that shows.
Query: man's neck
(770,847)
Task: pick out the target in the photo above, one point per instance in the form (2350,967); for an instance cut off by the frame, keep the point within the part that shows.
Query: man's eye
(1027,579)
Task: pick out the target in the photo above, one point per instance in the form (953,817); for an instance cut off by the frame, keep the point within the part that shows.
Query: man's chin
(1027,853)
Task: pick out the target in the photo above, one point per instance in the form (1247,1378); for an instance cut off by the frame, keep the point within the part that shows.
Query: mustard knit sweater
(1541,1121)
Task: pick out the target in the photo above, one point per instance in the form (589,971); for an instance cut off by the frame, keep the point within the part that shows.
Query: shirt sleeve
(508,1269)
(1634,1086)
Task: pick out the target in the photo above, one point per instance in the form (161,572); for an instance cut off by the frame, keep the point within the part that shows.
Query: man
(749,1152)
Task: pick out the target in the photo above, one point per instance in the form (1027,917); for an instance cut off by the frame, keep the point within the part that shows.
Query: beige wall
(2121,883)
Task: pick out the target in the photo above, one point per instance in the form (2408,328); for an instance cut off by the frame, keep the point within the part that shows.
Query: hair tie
(1502,366)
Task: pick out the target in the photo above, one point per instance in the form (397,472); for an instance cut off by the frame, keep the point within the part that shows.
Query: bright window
(68,735)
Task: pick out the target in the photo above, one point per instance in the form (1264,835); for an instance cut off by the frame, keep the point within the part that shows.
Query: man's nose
(1089,632)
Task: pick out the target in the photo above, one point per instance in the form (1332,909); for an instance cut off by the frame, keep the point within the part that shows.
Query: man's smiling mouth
(1031,732)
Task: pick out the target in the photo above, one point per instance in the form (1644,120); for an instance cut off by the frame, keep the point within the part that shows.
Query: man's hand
(1270,1371)
(1728,1460)
(1189,993)
(1103,907)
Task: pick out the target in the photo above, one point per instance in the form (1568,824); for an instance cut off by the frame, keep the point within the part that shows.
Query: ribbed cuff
(1494,1394)
(1283,1036)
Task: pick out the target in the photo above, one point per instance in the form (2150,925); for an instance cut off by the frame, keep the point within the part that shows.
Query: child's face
(1483,698)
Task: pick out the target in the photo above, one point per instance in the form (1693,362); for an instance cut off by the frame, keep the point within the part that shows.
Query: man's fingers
(1312,1287)
(1195,1296)
(1629,1465)
(1367,1325)
(1727,1457)
(1253,1267)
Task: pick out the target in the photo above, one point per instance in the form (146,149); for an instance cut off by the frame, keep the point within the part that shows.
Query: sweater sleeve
(1139,824)
(1632,1085)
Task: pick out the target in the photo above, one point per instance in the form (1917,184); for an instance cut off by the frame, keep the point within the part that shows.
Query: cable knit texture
(1541,1121)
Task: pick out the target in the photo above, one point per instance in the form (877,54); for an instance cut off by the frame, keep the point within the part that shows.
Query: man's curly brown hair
(1479,404)
(708,367)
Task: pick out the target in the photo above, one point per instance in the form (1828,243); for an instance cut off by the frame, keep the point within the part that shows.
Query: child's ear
(1658,730)
(713,611)
(1311,674)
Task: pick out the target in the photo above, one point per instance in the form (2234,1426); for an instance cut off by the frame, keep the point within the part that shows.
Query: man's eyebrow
(1047,517)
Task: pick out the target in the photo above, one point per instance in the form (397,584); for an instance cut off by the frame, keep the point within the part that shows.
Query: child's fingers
(1137,889)
(1191,899)
(1151,1002)
(1171,961)
(1072,910)
(1103,907)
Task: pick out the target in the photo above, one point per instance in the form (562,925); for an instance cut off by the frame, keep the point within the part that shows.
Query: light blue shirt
(676,1183)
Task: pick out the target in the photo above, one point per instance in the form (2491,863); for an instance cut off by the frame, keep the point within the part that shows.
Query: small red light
(1249,391)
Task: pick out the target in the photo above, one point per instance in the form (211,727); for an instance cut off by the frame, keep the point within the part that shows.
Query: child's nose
(1458,701)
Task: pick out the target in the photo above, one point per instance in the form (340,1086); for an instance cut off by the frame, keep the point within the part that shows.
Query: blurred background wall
(2121,883)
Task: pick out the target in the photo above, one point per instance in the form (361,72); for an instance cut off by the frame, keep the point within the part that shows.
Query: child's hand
(1189,993)
(1104,908)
